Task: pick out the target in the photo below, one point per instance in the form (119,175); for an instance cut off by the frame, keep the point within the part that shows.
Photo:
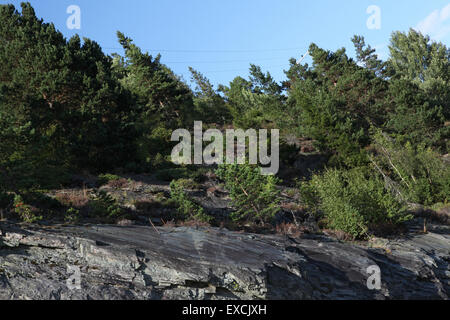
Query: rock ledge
(134,262)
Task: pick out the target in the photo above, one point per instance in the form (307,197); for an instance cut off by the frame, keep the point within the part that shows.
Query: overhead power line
(227,61)
(237,70)
(250,60)
(210,51)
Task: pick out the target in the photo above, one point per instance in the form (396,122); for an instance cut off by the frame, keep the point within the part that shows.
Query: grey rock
(136,262)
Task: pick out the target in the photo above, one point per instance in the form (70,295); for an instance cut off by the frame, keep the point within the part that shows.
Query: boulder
(138,262)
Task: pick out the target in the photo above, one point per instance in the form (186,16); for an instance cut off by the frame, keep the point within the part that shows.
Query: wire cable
(210,51)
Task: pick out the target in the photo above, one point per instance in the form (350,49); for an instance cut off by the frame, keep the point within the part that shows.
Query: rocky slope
(138,262)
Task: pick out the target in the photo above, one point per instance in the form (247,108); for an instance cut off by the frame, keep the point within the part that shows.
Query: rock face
(133,262)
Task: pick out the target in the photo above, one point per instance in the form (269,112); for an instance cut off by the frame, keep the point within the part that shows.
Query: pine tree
(420,95)
(338,101)
(210,105)
(256,102)
(60,105)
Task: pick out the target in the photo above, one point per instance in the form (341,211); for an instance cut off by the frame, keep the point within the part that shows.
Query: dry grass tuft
(338,234)
(76,199)
(289,229)
(119,183)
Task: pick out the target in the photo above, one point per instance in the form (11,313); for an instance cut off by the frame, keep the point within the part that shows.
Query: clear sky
(221,38)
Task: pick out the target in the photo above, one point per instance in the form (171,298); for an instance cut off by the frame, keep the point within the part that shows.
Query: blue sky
(221,38)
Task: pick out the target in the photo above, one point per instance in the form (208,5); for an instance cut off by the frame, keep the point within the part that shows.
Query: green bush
(25,211)
(419,173)
(255,196)
(106,178)
(188,209)
(188,183)
(103,205)
(72,215)
(353,201)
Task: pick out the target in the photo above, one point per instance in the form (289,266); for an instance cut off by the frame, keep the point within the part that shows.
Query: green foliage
(152,145)
(60,105)
(103,205)
(65,106)
(160,93)
(210,106)
(419,172)
(420,89)
(367,57)
(255,196)
(415,117)
(162,102)
(106,178)
(338,101)
(255,102)
(33,206)
(353,201)
(188,209)
(187,183)
(25,211)
(72,215)
(415,57)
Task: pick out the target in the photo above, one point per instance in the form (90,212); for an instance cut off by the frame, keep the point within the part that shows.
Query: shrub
(188,209)
(26,212)
(72,215)
(107,178)
(419,173)
(188,184)
(254,195)
(102,204)
(353,201)
(42,201)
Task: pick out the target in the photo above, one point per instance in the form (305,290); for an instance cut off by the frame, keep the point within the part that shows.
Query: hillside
(117,154)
